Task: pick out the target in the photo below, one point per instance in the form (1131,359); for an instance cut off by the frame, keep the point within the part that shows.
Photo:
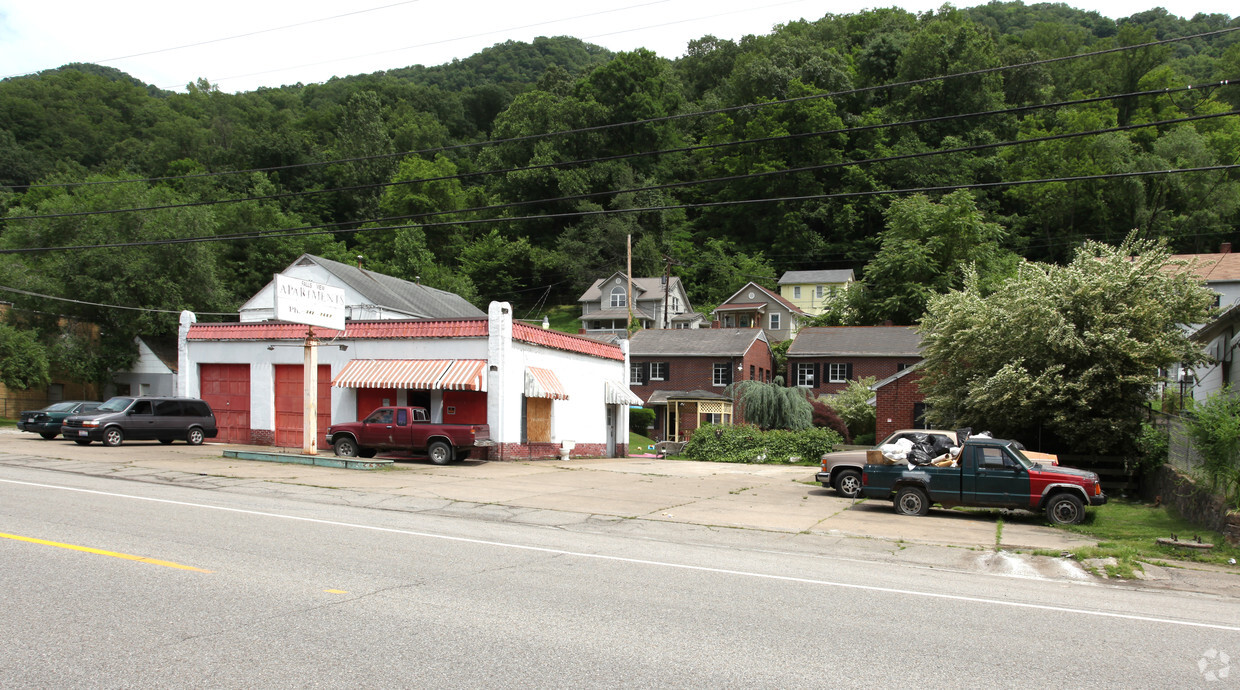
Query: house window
(716,418)
(720,377)
(729,322)
(796,292)
(750,372)
(635,373)
(821,289)
(658,371)
(618,298)
(839,373)
(805,375)
(774,321)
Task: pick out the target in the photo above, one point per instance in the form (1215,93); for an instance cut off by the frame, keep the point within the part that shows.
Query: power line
(111,306)
(645,209)
(665,118)
(684,149)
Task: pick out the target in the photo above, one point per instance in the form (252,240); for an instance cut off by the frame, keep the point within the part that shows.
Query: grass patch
(565,318)
(639,444)
(1128,532)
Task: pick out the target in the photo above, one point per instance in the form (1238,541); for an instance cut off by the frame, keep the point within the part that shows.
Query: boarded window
(538,420)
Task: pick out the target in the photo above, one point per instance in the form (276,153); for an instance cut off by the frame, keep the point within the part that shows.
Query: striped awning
(619,394)
(465,375)
(422,374)
(542,383)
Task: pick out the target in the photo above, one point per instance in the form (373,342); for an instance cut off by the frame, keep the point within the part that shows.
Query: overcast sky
(240,46)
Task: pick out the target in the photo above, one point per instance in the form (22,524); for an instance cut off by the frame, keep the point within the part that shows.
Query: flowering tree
(1073,350)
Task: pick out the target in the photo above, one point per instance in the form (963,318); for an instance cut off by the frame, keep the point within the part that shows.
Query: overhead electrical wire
(683,149)
(619,211)
(665,118)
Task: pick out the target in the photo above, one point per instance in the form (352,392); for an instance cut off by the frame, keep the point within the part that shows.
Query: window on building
(774,322)
(751,367)
(901,366)
(716,418)
(805,375)
(821,289)
(658,371)
(722,373)
(618,298)
(636,369)
(728,321)
(796,292)
(839,373)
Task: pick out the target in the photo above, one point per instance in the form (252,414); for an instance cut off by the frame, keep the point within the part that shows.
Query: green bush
(747,443)
(1152,444)
(640,420)
(1214,428)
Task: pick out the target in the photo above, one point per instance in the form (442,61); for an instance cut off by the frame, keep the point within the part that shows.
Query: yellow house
(812,291)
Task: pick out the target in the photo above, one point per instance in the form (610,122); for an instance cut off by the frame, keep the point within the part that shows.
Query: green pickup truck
(989,472)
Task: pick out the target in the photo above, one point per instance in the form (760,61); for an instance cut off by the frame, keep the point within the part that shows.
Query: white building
(536,389)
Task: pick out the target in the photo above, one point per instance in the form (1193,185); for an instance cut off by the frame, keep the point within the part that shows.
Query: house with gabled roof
(824,359)
(656,303)
(813,291)
(368,295)
(683,375)
(754,306)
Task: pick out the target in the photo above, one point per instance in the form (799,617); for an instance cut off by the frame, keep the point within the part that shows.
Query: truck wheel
(194,436)
(49,436)
(911,500)
(113,436)
(345,447)
(439,452)
(1065,509)
(848,483)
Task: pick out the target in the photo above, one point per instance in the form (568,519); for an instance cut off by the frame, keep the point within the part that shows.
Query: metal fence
(1180,451)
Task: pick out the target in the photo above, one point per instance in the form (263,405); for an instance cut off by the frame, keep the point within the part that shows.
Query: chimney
(1224,248)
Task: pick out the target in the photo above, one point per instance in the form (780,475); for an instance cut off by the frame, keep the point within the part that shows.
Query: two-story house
(824,360)
(682,374)
(656,303)
(754,306)
(812,291)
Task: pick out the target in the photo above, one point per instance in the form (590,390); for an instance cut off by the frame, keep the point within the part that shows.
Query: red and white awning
(422,374)
(543,383)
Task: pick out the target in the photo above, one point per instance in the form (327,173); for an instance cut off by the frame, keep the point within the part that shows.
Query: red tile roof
(265,330)
(565,341)
(394,329)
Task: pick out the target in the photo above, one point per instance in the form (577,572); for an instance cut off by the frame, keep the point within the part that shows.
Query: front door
(611,430)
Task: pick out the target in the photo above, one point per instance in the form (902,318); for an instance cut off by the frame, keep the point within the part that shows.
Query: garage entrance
(226,388)
(290,406)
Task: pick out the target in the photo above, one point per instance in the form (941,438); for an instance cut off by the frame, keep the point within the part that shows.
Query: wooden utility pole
(310,399)
(667,286)
(628,272)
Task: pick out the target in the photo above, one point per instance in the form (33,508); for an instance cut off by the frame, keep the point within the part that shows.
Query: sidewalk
(767,497)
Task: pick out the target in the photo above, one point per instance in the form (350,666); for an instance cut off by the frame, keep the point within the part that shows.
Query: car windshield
(61,407)
(1020,457)
(115,405)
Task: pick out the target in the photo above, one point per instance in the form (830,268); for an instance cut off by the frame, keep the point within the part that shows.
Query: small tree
(1072,349)
(23,361)
(826,417)
(772,405)
(853,406)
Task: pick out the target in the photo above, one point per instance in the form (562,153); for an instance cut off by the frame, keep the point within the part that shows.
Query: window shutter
(817,369)
(727,377)
(848,371)
(667,371)
(646,373)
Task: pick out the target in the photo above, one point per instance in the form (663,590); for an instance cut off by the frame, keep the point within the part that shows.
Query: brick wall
(893,404)
(878,367)
(514,452)
(262,437)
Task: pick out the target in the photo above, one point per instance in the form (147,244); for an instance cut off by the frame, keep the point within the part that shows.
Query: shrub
(1214,428)
(825,416)
(1152,445)
(640,420)
(748,443)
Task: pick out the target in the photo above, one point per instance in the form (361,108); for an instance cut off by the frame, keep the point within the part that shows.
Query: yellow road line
(101,552)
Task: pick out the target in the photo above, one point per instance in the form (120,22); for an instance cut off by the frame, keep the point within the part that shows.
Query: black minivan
(144,418)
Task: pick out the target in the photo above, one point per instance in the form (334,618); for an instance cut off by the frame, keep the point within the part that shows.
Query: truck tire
(1065,509)
(911,500)
(345,447)
(366,453)
(49,436)
(847,483)
(439,452)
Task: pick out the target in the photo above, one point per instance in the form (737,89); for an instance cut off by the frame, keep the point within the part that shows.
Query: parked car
(47,421)
(143,418)
(841,470)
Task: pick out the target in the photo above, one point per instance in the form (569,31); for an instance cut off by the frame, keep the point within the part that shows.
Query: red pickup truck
(408,429)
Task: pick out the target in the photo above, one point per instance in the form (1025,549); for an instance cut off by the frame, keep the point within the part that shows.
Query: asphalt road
(111,583)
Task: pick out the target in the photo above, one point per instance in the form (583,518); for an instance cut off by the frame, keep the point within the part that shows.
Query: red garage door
(226,388)
(290,406)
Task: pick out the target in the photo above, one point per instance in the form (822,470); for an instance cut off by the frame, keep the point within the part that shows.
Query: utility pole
(667,283)
(628,272)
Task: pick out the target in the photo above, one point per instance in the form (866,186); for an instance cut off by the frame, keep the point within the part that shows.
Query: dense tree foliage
(522,172)
(1070,351)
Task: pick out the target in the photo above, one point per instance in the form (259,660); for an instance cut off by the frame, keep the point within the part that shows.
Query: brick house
(682,374)
(899,402)
(825,359)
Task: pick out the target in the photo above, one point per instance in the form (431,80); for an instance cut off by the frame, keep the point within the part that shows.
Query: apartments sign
(304,301)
